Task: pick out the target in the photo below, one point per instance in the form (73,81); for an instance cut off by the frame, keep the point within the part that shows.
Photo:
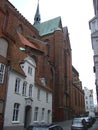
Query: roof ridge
(49,26)
(59,17)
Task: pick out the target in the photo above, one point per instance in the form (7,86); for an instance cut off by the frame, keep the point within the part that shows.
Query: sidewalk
(66,124)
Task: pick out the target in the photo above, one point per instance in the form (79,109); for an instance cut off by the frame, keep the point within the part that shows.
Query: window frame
(30,90)
(24,89)
(2,72)
(43,114)
(48,115)
(36,114)
(16,110)
(30,70)
(47,97)
(38,94)
(17,85)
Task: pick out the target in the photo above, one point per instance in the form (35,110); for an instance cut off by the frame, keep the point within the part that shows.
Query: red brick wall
(56,68)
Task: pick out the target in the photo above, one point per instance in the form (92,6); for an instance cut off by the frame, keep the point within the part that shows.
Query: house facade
(93,25)
(26,102)
(89,102)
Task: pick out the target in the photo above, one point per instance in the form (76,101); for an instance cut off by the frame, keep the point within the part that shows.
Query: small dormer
(28,65)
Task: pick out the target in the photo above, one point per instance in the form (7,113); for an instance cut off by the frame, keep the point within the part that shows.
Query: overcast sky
(75,14)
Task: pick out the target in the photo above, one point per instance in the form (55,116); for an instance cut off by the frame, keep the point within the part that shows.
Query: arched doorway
(27,119)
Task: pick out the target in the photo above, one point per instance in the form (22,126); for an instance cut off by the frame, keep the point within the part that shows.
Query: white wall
(88,99)
(12,97)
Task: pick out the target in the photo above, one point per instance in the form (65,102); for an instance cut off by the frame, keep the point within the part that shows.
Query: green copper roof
(48,26)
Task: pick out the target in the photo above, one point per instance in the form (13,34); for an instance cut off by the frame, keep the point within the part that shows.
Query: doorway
(27,119)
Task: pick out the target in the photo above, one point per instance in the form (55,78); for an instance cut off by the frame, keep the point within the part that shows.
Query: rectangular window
(16,112)
(29,70)
(47,97)
(17,85)
(93,26)
(36,114)
(43,113)
(48,116)
(38,94)
(86,102)
(30,90)
(24,88)
(2,71)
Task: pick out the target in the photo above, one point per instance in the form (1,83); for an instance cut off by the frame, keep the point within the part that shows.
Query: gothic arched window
(30,90)
(20,29)
(48,46)
(3,47)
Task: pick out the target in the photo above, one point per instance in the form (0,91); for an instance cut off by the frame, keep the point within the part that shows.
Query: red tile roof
(26,42)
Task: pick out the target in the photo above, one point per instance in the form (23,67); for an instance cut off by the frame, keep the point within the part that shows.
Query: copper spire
(37,17)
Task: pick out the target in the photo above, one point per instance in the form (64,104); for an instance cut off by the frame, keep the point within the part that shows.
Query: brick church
(48,45)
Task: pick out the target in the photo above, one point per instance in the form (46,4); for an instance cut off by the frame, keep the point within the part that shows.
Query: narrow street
(95,125)
(66,125)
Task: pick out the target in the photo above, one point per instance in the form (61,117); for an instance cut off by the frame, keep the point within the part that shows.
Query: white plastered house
(26,101)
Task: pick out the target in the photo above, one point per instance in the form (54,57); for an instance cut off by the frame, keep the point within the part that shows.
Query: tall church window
(75,97)
(47,46)
(51,77)
(3,47)
(20,29)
